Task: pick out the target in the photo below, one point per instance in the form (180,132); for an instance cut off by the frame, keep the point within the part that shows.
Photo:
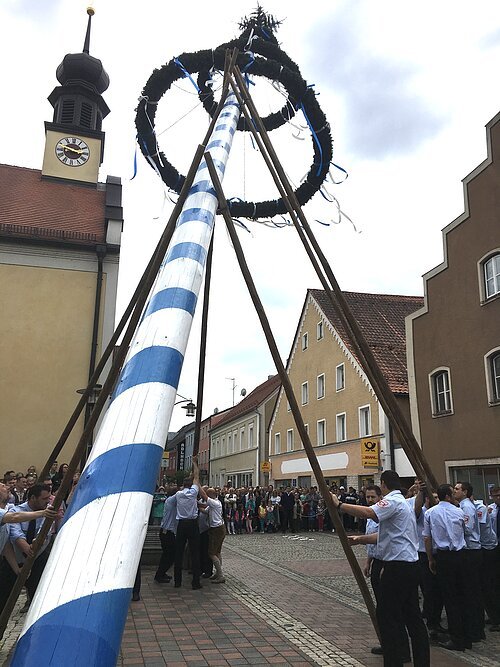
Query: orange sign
(265,466)
(370,453)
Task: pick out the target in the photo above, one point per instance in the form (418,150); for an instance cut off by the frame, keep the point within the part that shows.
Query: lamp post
(91,401)
(190,407)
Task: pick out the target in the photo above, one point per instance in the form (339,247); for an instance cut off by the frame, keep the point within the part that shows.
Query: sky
(406,87)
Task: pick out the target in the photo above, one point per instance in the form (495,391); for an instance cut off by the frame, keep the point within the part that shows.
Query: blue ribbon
(186,73)
(315,137)
(337,166)
(135,164)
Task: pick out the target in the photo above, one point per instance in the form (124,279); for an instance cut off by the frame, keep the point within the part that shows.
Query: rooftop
(252,400)
(39,209)
(381,318)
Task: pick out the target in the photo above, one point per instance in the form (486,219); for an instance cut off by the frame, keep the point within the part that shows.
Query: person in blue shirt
(397,543)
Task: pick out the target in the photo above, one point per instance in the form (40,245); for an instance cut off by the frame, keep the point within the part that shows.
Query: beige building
(238,442)
(60,232)
(454,340)
(339,407)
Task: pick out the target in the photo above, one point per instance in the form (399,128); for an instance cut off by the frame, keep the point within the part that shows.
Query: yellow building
(60,233)
(345,422)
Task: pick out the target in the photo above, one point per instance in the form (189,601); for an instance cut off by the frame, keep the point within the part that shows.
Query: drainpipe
(101,253)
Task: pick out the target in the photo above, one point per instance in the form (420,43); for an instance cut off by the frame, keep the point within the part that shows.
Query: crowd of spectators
(268,509)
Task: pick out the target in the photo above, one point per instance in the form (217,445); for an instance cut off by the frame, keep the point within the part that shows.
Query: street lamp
(190,407)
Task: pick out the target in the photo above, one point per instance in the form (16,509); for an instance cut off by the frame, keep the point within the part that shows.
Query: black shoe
(206,575)
(163,580)
(451,646)
(377,650)
(177,585)
(196,587)
(136,597)
(495,627)
(407,660)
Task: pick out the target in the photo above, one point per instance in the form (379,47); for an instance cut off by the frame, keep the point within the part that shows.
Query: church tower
(74,140)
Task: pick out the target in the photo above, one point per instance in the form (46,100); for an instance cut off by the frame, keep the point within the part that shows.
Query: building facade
(346,425)
(239,441)
(60,235)
(454,339)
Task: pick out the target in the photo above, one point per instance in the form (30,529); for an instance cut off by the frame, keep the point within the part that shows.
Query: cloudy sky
(406,87)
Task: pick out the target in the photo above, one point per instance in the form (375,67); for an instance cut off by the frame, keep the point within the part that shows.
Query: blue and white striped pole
(78,613)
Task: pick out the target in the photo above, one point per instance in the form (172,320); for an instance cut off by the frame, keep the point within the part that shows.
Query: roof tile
(381,318)
(36,208)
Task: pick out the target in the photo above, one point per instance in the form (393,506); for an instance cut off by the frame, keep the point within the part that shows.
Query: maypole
(78,613)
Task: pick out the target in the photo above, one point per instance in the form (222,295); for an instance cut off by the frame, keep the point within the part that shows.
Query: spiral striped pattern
(78,613)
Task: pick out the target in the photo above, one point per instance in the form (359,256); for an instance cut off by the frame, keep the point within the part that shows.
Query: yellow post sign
(370,453)
(265,466)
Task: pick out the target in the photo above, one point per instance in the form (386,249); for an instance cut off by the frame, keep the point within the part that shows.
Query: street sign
(265,466)
(370,453)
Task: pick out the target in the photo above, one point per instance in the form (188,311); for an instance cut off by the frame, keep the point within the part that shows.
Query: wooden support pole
(203,349)
(334,293)
(294,407)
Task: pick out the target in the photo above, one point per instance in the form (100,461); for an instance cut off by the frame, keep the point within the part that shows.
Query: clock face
(72,151)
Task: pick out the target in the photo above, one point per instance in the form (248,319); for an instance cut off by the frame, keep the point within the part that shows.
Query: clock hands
(67,147)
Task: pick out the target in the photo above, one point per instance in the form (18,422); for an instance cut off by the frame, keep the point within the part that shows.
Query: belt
(195,519)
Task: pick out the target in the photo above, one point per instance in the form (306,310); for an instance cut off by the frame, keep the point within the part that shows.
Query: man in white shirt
(492,599)
(398,587)
(462,493)
(445,545)
(216,532)
(25,523)
(187,528)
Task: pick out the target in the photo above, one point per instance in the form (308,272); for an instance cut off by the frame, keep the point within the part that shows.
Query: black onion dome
(83,69)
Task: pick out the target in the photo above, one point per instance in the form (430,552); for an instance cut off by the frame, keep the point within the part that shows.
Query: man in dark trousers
(168,530)
(187,527)
(444,526)
(397,542)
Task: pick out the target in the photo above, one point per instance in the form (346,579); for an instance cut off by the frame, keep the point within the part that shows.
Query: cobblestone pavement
(287,601)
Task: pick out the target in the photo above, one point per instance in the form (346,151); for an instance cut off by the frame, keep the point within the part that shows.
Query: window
(287,406)
(340,377)
(341,428)
(250,437)
(235,441)
(305,393)
(492,276)
(492,367)
(305,341)
(289,440)
(365,425)
(320,386)
(223,446)
(277,443)
(441,392)
(321,432)
(242,437)
(306,426)
(319,331)
(229,444)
